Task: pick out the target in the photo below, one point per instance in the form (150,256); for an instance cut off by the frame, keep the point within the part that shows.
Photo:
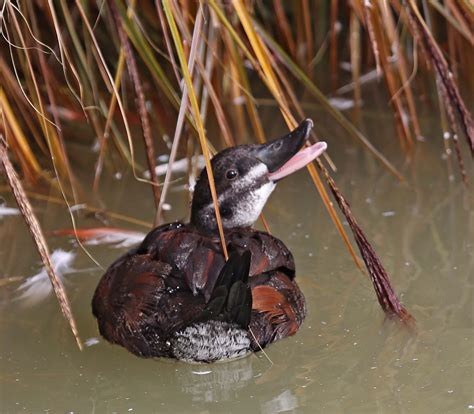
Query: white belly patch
(210,341)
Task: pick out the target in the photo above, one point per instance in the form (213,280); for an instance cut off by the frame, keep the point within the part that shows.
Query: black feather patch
(231,299)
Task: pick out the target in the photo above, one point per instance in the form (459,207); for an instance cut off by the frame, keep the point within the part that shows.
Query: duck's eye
(231,174)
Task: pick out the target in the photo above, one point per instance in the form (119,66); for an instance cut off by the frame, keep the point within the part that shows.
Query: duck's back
(173,284)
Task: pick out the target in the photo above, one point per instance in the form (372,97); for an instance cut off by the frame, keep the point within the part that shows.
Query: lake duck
(176,296)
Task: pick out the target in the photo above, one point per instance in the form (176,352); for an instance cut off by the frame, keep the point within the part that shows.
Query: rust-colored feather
(267,299)
(276,308)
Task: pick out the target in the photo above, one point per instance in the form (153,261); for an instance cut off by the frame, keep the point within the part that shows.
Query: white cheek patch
(253,175)
(255,172)
(250,207)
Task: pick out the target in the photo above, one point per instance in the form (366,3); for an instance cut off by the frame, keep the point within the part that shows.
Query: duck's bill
(276,153)
(298,161)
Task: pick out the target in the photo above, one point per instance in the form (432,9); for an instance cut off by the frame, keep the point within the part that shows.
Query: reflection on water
(346,357)
(215,382)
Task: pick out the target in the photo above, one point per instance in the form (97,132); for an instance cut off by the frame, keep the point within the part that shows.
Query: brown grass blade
(197,116)
(464,20)
(104,138)
(208,58)
(40,242)
(23,150)
(208,90)
(167,39)
(49,132)
(109,82)
(309,47)
(48,79)
(140,101)
(333,44)
(249,101)
(386,295)
(401,64)
(66,59)
(235,95)
(295,102)
(452,20)
(262,57)
(15,94)
(380,41)
(354,39)
(452,96)
(367,8)
(181,115)
(92,211)
(284,27)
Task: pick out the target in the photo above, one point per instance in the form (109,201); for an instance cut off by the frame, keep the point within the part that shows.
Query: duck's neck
(206,224)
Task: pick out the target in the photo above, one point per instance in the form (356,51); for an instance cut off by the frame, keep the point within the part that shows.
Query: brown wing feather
(199,257)
(139,303)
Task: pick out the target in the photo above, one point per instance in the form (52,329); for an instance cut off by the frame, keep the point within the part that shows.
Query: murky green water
(346,357)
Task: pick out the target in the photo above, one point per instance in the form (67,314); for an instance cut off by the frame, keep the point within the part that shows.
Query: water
(345,358)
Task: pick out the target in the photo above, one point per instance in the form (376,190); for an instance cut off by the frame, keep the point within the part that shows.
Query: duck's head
(246,175)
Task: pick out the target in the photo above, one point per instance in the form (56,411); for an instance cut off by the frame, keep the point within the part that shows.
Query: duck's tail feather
(231,299)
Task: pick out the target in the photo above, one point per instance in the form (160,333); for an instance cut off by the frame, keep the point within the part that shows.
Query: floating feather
(38,287)
(8,211)
(342,103)
(179,166)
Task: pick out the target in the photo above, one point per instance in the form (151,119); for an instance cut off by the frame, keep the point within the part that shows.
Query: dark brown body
(165,284)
